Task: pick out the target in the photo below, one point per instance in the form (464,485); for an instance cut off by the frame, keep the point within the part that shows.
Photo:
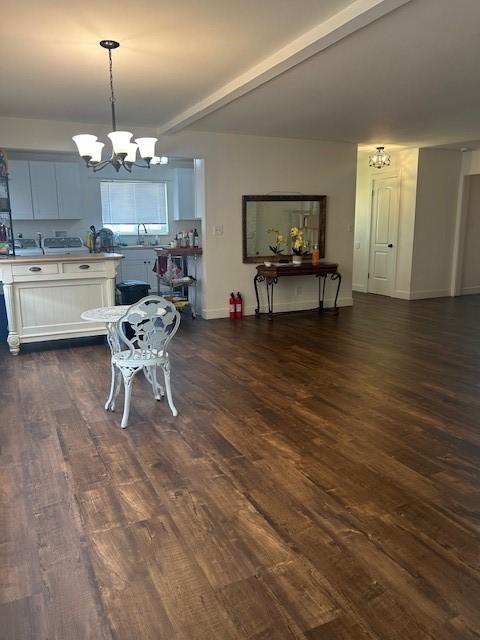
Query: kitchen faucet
(141,224)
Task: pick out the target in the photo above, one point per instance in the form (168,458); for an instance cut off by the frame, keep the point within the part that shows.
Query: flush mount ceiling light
(124,152)
(379,159)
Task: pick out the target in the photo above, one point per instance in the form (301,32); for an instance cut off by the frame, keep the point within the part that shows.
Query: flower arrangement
(279,240)
(299,244)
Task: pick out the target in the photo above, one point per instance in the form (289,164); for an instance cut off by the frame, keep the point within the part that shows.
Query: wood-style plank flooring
(321,482)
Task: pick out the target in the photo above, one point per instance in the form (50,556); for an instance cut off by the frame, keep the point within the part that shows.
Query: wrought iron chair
(153,322)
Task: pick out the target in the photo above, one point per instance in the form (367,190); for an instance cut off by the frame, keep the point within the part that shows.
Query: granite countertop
(85,257)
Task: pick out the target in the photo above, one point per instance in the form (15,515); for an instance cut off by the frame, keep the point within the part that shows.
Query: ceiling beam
(357,15)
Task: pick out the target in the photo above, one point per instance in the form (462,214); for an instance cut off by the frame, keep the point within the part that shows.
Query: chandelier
(379,159)
(124,152)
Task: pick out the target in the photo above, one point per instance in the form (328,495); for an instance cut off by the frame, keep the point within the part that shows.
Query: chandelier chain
(112,92)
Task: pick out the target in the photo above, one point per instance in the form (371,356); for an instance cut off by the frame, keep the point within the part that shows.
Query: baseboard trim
(403,295)
(359,287)
(422,295)
(436,293)
(302,305)
(468,291)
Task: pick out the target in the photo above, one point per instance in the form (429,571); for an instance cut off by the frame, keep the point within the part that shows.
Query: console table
(270,276)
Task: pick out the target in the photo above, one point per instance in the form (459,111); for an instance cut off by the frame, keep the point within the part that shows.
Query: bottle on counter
(315,255)
(195,238)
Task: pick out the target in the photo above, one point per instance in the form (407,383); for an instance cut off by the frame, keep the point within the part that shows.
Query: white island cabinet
(46,295)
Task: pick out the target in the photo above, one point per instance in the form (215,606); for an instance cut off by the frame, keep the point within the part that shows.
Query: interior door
(383,240)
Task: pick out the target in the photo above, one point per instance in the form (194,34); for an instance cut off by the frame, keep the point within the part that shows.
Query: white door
(383,239)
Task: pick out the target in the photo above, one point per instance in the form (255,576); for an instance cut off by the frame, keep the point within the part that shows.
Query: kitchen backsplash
(30,228)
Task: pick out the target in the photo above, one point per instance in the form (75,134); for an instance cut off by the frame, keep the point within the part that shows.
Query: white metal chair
(153,321)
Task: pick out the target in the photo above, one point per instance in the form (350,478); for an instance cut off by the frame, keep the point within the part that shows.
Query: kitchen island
(46,295)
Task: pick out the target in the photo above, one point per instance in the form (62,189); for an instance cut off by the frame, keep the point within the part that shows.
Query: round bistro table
(110,316)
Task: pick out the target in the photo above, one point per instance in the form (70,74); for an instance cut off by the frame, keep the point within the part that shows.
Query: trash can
(132,291)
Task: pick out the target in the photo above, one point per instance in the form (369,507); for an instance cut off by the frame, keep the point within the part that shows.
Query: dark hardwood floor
(321,482)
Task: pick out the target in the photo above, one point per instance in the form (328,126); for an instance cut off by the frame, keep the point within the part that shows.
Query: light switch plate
(218,229)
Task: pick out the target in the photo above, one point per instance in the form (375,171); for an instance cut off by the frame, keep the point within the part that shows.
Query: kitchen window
(126,204)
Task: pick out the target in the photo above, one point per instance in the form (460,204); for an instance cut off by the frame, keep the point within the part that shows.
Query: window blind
(134,202)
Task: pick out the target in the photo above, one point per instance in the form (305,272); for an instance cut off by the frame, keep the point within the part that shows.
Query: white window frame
(131,229)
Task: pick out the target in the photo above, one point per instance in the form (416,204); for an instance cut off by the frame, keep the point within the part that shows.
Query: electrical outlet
(218,229)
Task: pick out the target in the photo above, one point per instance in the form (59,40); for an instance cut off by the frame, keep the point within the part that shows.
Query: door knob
(390,245)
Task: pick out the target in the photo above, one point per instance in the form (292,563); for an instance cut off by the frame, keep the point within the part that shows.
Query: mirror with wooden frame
(276,227)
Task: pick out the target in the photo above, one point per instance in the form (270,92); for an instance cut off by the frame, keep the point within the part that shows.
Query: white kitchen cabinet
(138,265)
(20,189)
(184,194)
(69,191)
(44,190)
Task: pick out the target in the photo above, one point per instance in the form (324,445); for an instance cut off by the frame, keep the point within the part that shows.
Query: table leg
(115,346)
(336,276)
(256,280)
(321,291)
(270,282)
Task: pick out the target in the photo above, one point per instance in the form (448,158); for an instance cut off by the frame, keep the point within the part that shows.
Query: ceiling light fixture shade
(97,152)
(379,159)
(85,144)
(124,152)
(132,152)
(146,147)
(120,141)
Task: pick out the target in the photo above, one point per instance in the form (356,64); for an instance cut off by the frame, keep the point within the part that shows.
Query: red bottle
(231,304)
(238,306)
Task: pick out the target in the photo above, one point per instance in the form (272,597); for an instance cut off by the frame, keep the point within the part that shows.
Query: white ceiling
(409,77)
(172,53)
(412,77)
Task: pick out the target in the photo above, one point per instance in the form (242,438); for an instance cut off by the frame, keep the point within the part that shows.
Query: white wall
(470,280)
(466,257)
(437,188)
(404,163)
(236,165)
(408,163)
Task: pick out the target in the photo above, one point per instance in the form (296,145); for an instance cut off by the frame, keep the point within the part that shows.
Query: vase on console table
(297,259)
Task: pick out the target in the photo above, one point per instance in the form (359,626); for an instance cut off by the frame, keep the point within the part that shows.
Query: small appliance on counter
(27,247)
(106,240)
(64,246)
